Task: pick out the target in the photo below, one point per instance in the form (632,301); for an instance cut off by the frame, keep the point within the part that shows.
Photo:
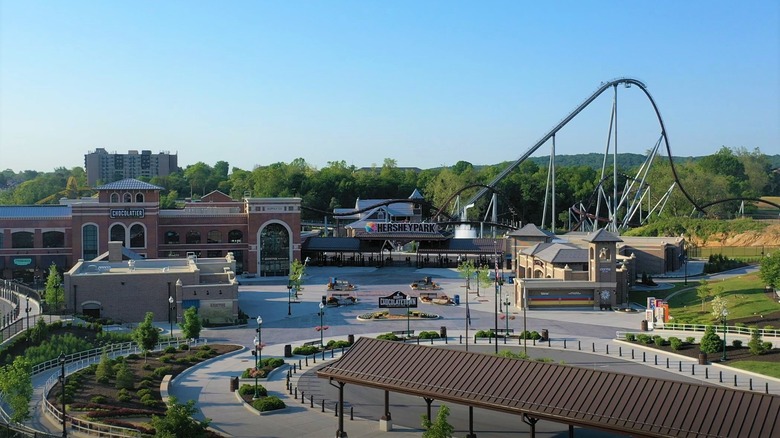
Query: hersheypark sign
(397,300)
(401,227)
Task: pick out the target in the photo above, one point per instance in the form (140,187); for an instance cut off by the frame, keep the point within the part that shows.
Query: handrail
(700,328)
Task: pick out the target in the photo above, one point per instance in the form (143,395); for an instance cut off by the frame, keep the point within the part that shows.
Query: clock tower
(602,267)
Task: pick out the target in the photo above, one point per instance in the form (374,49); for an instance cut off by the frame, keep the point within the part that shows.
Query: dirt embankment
(770,236)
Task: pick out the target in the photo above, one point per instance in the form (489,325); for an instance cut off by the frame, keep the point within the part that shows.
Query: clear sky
(426,83)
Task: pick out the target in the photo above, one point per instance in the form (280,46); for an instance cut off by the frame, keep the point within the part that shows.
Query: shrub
(203,354)
(266,404)
(334,344)
(162,371)
(142,392)
(146,383)
(149,400)
(675,343)
(630,337)
(103,379)
(169,349)
(644,339)
(166,358)
(710,342)
(690,340)
(123,395)
(736,343)
(429,335)
(182,360)
(273,362)
(766,345)
(659,341)
(124,376)
(148,367)
(388,337)
(133,356)
(184,347)
(306,350)
(247,389)
(484,334)
(98,399)
(535,335)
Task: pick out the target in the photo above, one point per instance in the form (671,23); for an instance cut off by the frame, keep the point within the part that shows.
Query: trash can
(443,332)
(702,358)
(288,350)
(545,335)
(351,339)
(233,384)
(456,299)
(643,325)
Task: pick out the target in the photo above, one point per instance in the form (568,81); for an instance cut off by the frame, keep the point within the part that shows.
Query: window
(193,237)
(128,197)
(275,250)
(53,239)
(171,237)
(139,197)
(117,234)
(114,198)
(89,242)
(22,239)
(137,236)
(1,238)
(214,236)
(235,236)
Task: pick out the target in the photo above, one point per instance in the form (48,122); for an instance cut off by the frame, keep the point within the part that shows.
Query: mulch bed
(732,354)
(132,412)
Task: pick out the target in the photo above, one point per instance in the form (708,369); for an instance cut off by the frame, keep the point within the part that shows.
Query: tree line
(729,173)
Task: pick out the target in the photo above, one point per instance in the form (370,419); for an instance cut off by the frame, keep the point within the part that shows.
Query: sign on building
(398,300)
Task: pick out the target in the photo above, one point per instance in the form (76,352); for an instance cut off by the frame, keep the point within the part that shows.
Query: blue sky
(426,83)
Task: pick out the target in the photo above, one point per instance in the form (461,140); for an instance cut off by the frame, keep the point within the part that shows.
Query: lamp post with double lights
(724,314)
(62,381)
(258,352)
(289,292)
(322,314)
(27,310)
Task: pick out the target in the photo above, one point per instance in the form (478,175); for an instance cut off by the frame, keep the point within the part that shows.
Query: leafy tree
(16,387)
(124,376)
(710,342)
(39,332)
(178,421)
(191,325)
(439,428)
(756,344)
(466,270)
(769,272)
(54,294)
(718,306)
(146,334)
(105,370)
(703,292)
(297,271)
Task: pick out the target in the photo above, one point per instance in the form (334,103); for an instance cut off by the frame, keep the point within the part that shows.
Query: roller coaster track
(604,87)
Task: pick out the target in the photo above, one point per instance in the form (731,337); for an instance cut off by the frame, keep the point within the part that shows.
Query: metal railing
(730,329)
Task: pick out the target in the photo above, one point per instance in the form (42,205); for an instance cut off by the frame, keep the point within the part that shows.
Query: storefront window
(117,234)
(171,237)
(22,239)
(214,236)
(235,236)
(53,239)
(193,237)
(137,236)
(89,241)
(275,250)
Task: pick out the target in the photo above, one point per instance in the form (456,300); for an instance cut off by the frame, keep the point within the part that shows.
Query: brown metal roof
(635,405)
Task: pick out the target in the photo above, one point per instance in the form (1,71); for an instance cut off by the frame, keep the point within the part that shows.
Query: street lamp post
(322,313)
(408,304)
(27,310)
(289,292)
(62,380)
(171,308)
(258,352)
(724,314)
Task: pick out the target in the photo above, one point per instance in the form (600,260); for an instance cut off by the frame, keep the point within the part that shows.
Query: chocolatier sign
(137,213)
(397,300)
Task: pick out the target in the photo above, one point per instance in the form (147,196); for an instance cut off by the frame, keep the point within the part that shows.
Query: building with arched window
(262,234)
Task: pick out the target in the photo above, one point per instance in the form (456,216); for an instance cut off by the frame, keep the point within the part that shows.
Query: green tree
(466,270)
(178,421)
(769,272)
(54,293)
(718,306)
(124,376)
(190,327)
(39,332)
(105,370)
(297,271)
(710,342)
(703,292)
(16,387)
(439,428)
(146,334)
(756,344)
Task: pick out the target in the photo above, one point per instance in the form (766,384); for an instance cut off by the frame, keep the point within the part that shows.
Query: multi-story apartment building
(103,166)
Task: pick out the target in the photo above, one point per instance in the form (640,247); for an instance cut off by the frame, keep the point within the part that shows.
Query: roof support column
(386,420)
(471,423)
(571,431)
(428,402)
(341,433)
(531,422)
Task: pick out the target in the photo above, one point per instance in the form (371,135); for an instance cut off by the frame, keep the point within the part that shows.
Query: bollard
(607,349)
(418,340)
(680,366)
(751,384)
(564,344)
(693,369)
(336,409)
(620,351)
(667,363)
(534,342)
(431,344)
(735,380)
(643,357)
(593,346)
(706,373)
(296,392)
(323,355)
(295,368)
(314,358)
(303,397)
(299,364)
(656,359)
(331,353)
(767,387)
(549,344)
(632,353)
(720,376)
(507,335)
(445,340)
(307,361)
(579,345)
(311,401)
(289,388)
(323,405)
(351,413)
(461,339)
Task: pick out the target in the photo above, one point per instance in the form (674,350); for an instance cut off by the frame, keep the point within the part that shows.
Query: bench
(503,331)
(429,295)
(403,332)
(310,343)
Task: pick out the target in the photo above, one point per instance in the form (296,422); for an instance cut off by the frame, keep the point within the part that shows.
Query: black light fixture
(62,380)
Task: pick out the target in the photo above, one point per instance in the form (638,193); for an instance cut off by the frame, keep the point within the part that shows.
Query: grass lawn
(745,297)
(640,296)
(766,368)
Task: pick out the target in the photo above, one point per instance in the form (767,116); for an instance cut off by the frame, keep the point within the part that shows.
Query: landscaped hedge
(247,389)
(266,404)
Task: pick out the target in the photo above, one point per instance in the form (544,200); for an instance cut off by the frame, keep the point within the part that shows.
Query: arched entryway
(274,250)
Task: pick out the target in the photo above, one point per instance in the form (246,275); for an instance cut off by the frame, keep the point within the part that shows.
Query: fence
(730,330)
